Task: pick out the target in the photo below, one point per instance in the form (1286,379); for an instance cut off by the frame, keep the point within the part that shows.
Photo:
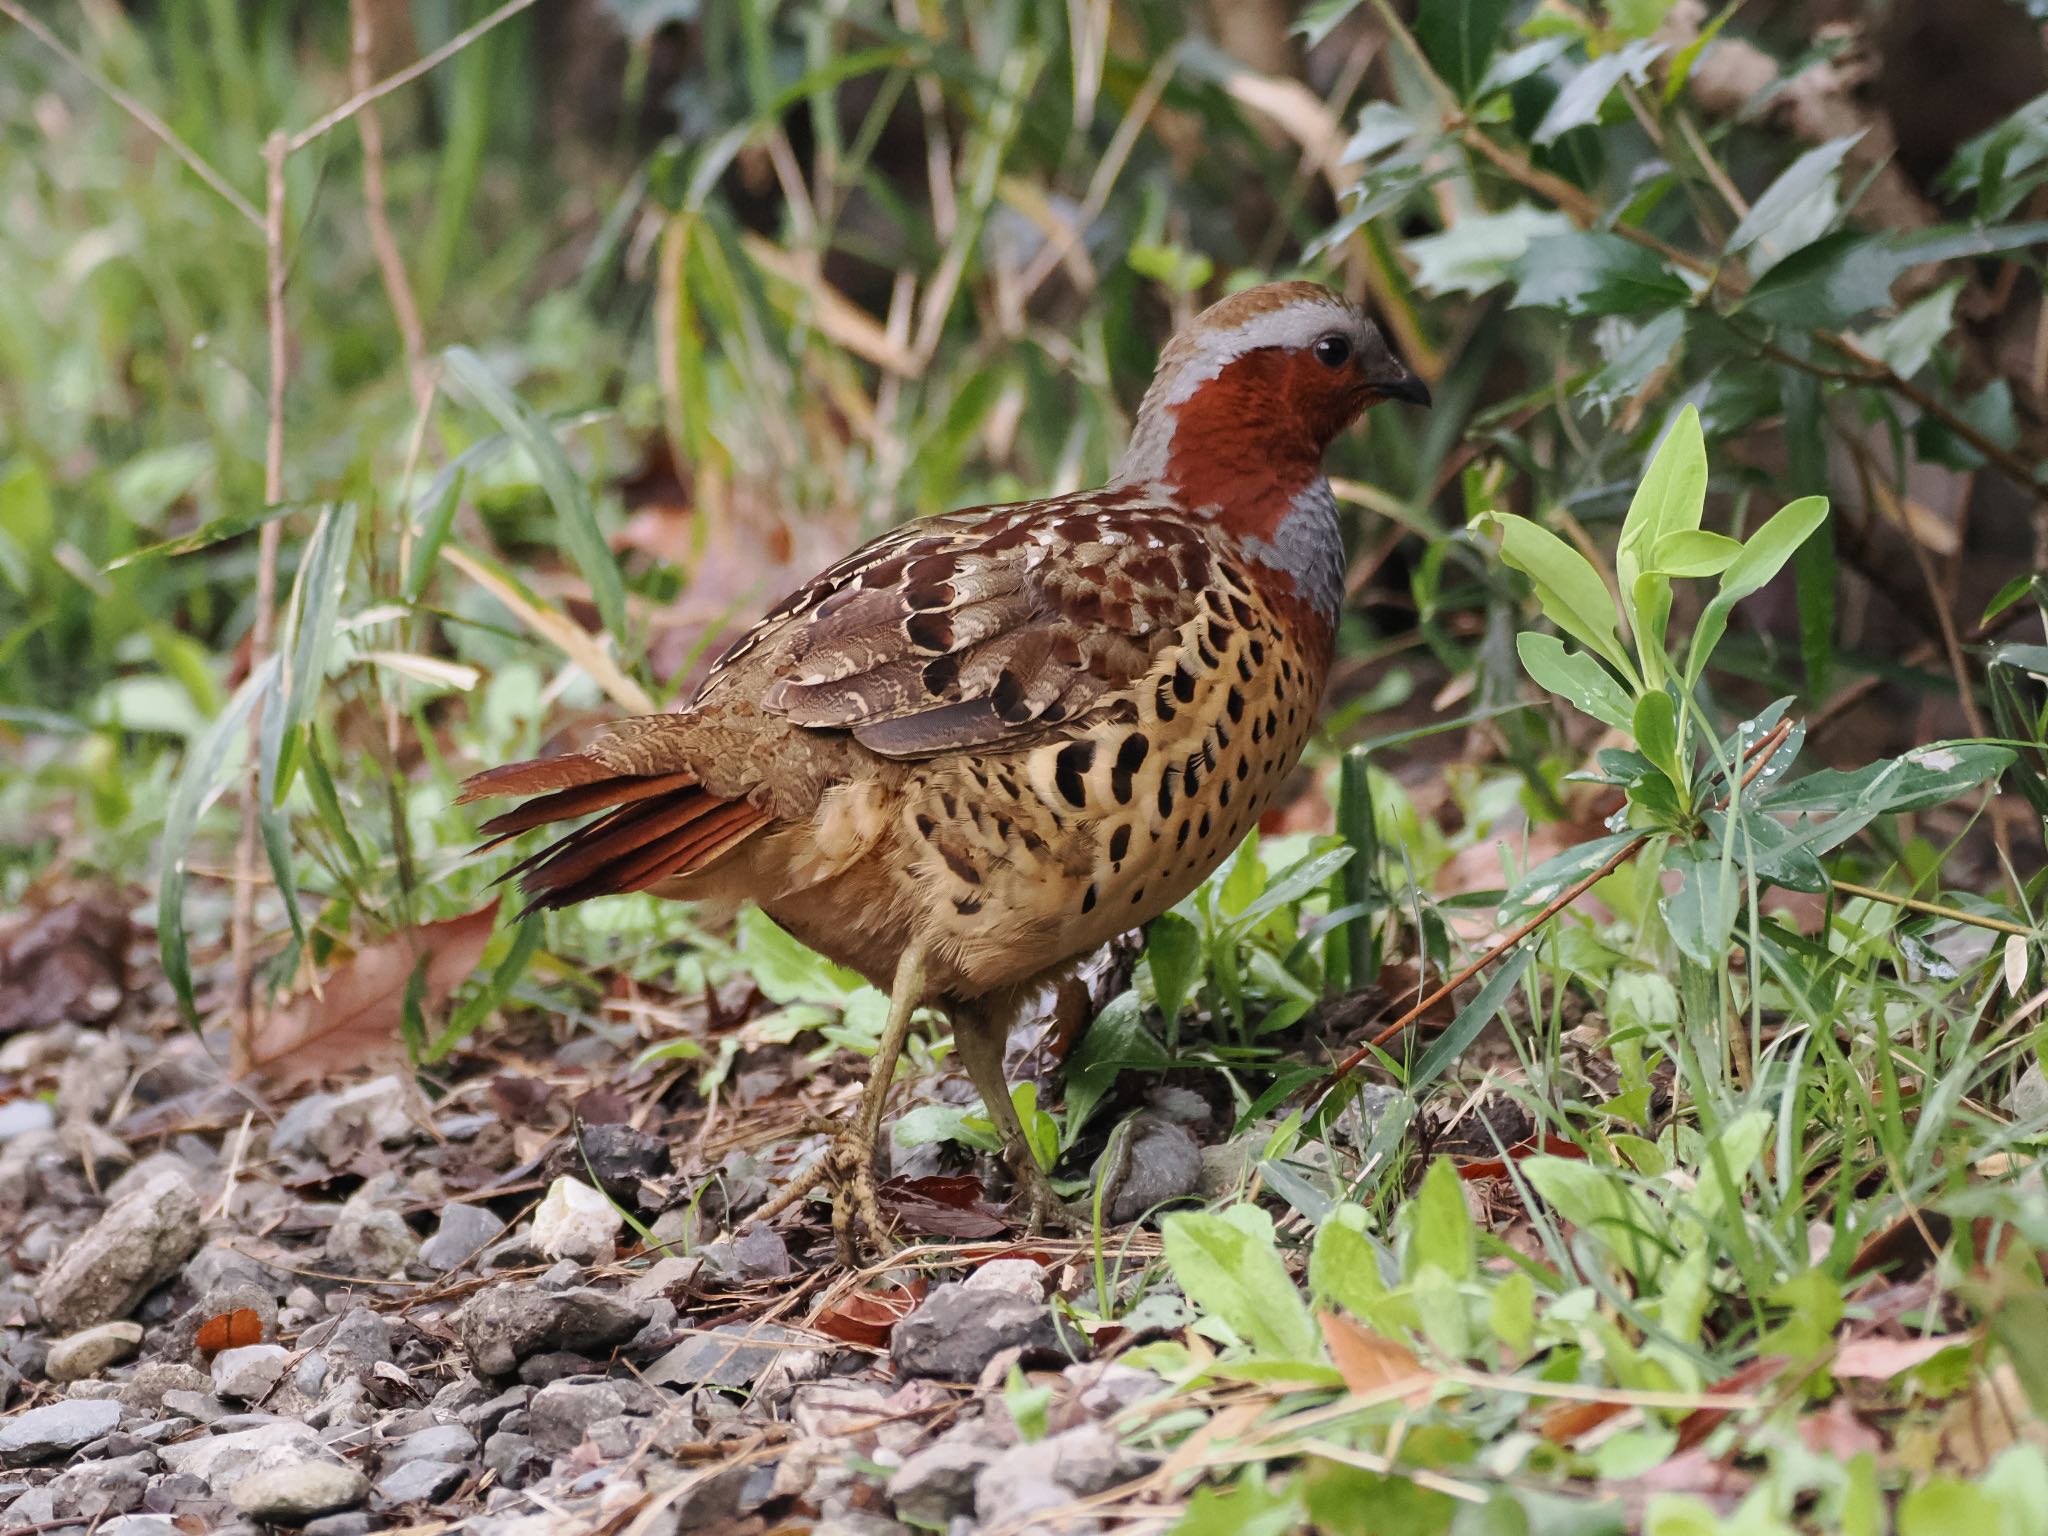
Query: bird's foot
(848,1165)
(1044,1209)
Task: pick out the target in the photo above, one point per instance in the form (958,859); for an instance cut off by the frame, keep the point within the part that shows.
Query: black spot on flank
(1243,611)
(1244,769)
(1223,794)
(1258,649)
(959,865)
(1219,635)
(1138,895)
(1070,768)
(1119,844)
(1244,669)
(1166,794)
(1202,831)
(929,631)
(1222,734)
(925,825)
(967,906)
(1208,655)
(1008,696)
(1215,601)
(1191,776)
(1004,828)
(1258,730)
(950,804)
(941,674)
(1180,836)
(1233,704)
(1130,753)
(1088,899)
(1272,722)
(1162,702)
(1184,683)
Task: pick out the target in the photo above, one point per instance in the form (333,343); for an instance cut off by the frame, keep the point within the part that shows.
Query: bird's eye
(1333,351)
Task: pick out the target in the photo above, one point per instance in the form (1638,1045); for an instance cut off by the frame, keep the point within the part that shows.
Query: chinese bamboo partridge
(987,742)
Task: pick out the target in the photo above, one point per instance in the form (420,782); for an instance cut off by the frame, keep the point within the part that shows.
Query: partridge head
(989,741)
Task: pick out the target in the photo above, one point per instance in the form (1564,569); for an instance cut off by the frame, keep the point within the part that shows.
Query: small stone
(247,1374)
(513,1458)
(140,1525)
(222,1461)
(21,1116)
(359,1336)
(562,1410)
(144,1389)
(369,1237)
(138,1243)
(731,1355)
(667,1278)
(109,1485)
(484,1417)
(352,1523)
(299,1491)
(1151,1163)
(56,1429)
(418,1482)
(465,1231)
(333,1126)
(957,1330)
(508,1323)
(1009,1277)
(756,1253)
(576,1222)
(201,1405)
(441,1442)
(309,1376)
(91,1351)
(560,1276)
(1047,1473)
(936,1484)
(621,1157)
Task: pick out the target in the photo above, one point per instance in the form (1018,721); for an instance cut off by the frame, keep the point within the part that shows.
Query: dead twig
(405,308)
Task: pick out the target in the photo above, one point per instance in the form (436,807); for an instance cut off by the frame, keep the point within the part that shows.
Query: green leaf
(1471,1019)
(1459,37)
(1556,875)
(1344,1265)
(199,781)
(1945,1506)
(1655,727)
(1226,1264)
(1763,555)
(1116,1040)
(1582,96)
(1826,283)
(1173,953)
(1595,274)
(1671,498)
(1478,252)
(1603,1204)
(1572,595)
(1574,677)
(1701,913)
(1442,1233)
(1693,553)
(1784,202)
(787,971)
(581,536)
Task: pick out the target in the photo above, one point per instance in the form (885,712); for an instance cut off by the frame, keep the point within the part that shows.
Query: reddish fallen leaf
(230,1330)
(941,1206)
(1568,1421)
(1880,1359)
(1497,1167)
(1702,1422)
(1837,1433)
(1372,1363)
(869,1317)
(353,1022)
(66,964)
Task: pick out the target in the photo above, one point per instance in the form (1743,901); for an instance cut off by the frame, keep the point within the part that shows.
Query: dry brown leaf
(354,1020)
(570,638)
(1878,1359)
(1372,1363)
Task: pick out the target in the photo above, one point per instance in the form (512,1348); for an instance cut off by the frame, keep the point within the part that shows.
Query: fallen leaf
(354,1019)
(1837,1433)
(1372,1363)
(1701,1422)
(230,1330)
(1568,1421)
(869,1317)
(1497,1167)
(66,964)
(941,1206)
(1879,1359)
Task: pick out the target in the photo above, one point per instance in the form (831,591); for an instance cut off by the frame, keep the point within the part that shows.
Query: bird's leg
(979,1039)
(849,1162)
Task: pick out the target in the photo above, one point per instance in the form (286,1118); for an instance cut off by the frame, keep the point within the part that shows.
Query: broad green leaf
(1671,498)
(1116,1040)
(1344,1264)
(1574,677)
(1826,283)
(787,971)
(1226,1264)
(1783,204)
(1595,274)
(1701,913)
(1656,731)
(1947,1506)
(1906,343)
(1693,553)
(1459,37)
(1441,1234)
(1582,96)
(1554,876)
(1477,253)
(581,536)
(1737,1147)
(1311,874)
(1602,1203)
(1634,356)
(1173,953)
(1572,595)
(2024,658)
(1764,554)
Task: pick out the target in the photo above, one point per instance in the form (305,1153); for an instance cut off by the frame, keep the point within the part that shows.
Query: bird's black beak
(1404,385)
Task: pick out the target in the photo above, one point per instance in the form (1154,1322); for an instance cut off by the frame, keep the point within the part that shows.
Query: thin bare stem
(1933,909)
(156,126)
(323,126)
(262,627)
(405,308)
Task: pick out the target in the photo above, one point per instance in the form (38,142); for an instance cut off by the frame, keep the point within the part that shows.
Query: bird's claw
(848,1165)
